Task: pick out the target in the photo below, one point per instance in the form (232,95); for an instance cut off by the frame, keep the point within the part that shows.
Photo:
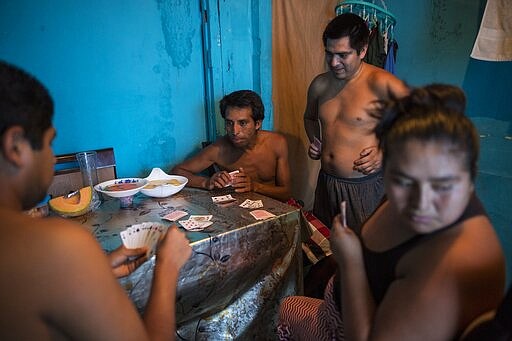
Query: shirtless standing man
(57,284)
(260,156)
(337,114)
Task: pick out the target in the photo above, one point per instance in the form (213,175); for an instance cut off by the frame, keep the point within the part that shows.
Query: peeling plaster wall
(122,74)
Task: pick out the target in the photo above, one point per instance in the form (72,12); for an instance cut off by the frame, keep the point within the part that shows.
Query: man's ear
(362,54)
(258,124)
(14,144)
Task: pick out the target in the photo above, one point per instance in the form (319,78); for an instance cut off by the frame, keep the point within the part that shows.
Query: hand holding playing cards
(315,149)
(124,261)
(174,249)
(242,182)
(218,180)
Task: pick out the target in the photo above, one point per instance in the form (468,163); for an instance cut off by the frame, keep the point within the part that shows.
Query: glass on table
(88,167)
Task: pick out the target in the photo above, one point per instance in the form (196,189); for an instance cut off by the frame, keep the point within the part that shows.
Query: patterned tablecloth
(239,270)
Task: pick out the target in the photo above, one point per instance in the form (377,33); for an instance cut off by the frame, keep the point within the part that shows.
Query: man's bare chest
(260,164)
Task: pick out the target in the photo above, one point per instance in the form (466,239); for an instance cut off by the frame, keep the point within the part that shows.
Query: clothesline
(372,13)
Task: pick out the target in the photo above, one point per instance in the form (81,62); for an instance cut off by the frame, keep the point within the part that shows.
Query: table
(239,271)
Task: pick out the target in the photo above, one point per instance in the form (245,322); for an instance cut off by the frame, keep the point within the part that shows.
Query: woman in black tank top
(427,261)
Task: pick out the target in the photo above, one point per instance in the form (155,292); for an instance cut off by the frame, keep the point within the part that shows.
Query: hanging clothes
(494,40)
(376,54)
(391,57)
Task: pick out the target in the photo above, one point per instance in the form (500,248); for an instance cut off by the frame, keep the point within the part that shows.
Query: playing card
(231,175)
(143,235)
(261,214)
(206,217)
(223,199)
(317,143)
(175,215)
(194,225)
(125,238)
(248,203)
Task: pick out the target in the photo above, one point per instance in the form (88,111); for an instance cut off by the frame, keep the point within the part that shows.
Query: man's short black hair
(243,99)
(24,102)
(348,25)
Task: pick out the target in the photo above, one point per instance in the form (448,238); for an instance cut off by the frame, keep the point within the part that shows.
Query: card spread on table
(197,222)
(248,203)
(143,235)
(175,215)
(195,225)
(261,214)
(223,199)
(206,217)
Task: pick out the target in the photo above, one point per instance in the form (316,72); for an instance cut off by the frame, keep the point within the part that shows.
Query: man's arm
(80,290)
(173,252)
(385,86)
(198,163)
(311,119)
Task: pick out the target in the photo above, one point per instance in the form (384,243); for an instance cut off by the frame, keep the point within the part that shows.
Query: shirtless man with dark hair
(57,283)
(339,126)
(259,156)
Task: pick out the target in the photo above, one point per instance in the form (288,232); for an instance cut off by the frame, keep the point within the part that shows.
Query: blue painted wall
(130,74)
(239,44)
(126,74)
(435,40)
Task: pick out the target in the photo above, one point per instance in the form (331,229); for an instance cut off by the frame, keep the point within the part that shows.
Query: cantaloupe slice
(74,205)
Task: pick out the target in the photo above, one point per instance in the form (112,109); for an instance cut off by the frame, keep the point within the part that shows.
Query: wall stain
(444,30)
(160,146)
(178,33)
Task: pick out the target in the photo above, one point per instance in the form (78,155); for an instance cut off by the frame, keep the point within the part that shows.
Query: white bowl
(160,190)
(107,187)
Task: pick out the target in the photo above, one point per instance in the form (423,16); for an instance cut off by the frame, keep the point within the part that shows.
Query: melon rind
(69,207)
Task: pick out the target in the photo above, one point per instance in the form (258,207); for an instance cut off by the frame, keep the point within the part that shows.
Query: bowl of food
(161,184)
(119,188)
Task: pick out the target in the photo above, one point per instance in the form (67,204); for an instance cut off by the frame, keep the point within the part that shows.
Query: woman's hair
(24,102)
(433,113)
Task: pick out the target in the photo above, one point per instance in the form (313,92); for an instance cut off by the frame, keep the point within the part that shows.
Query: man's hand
(242,182)
(370,160)
(315,149)
(345,245)
(124,261)
(174,249)
(218,180)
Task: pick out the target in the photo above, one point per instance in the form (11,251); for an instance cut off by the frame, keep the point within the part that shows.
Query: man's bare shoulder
(385,83)
(320,84)
(54,234)
(273,139)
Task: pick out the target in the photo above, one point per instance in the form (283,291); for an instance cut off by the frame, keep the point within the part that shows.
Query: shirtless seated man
(259,156)
(57,284)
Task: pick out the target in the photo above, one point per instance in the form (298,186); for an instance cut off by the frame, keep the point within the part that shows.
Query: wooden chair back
(67,177)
